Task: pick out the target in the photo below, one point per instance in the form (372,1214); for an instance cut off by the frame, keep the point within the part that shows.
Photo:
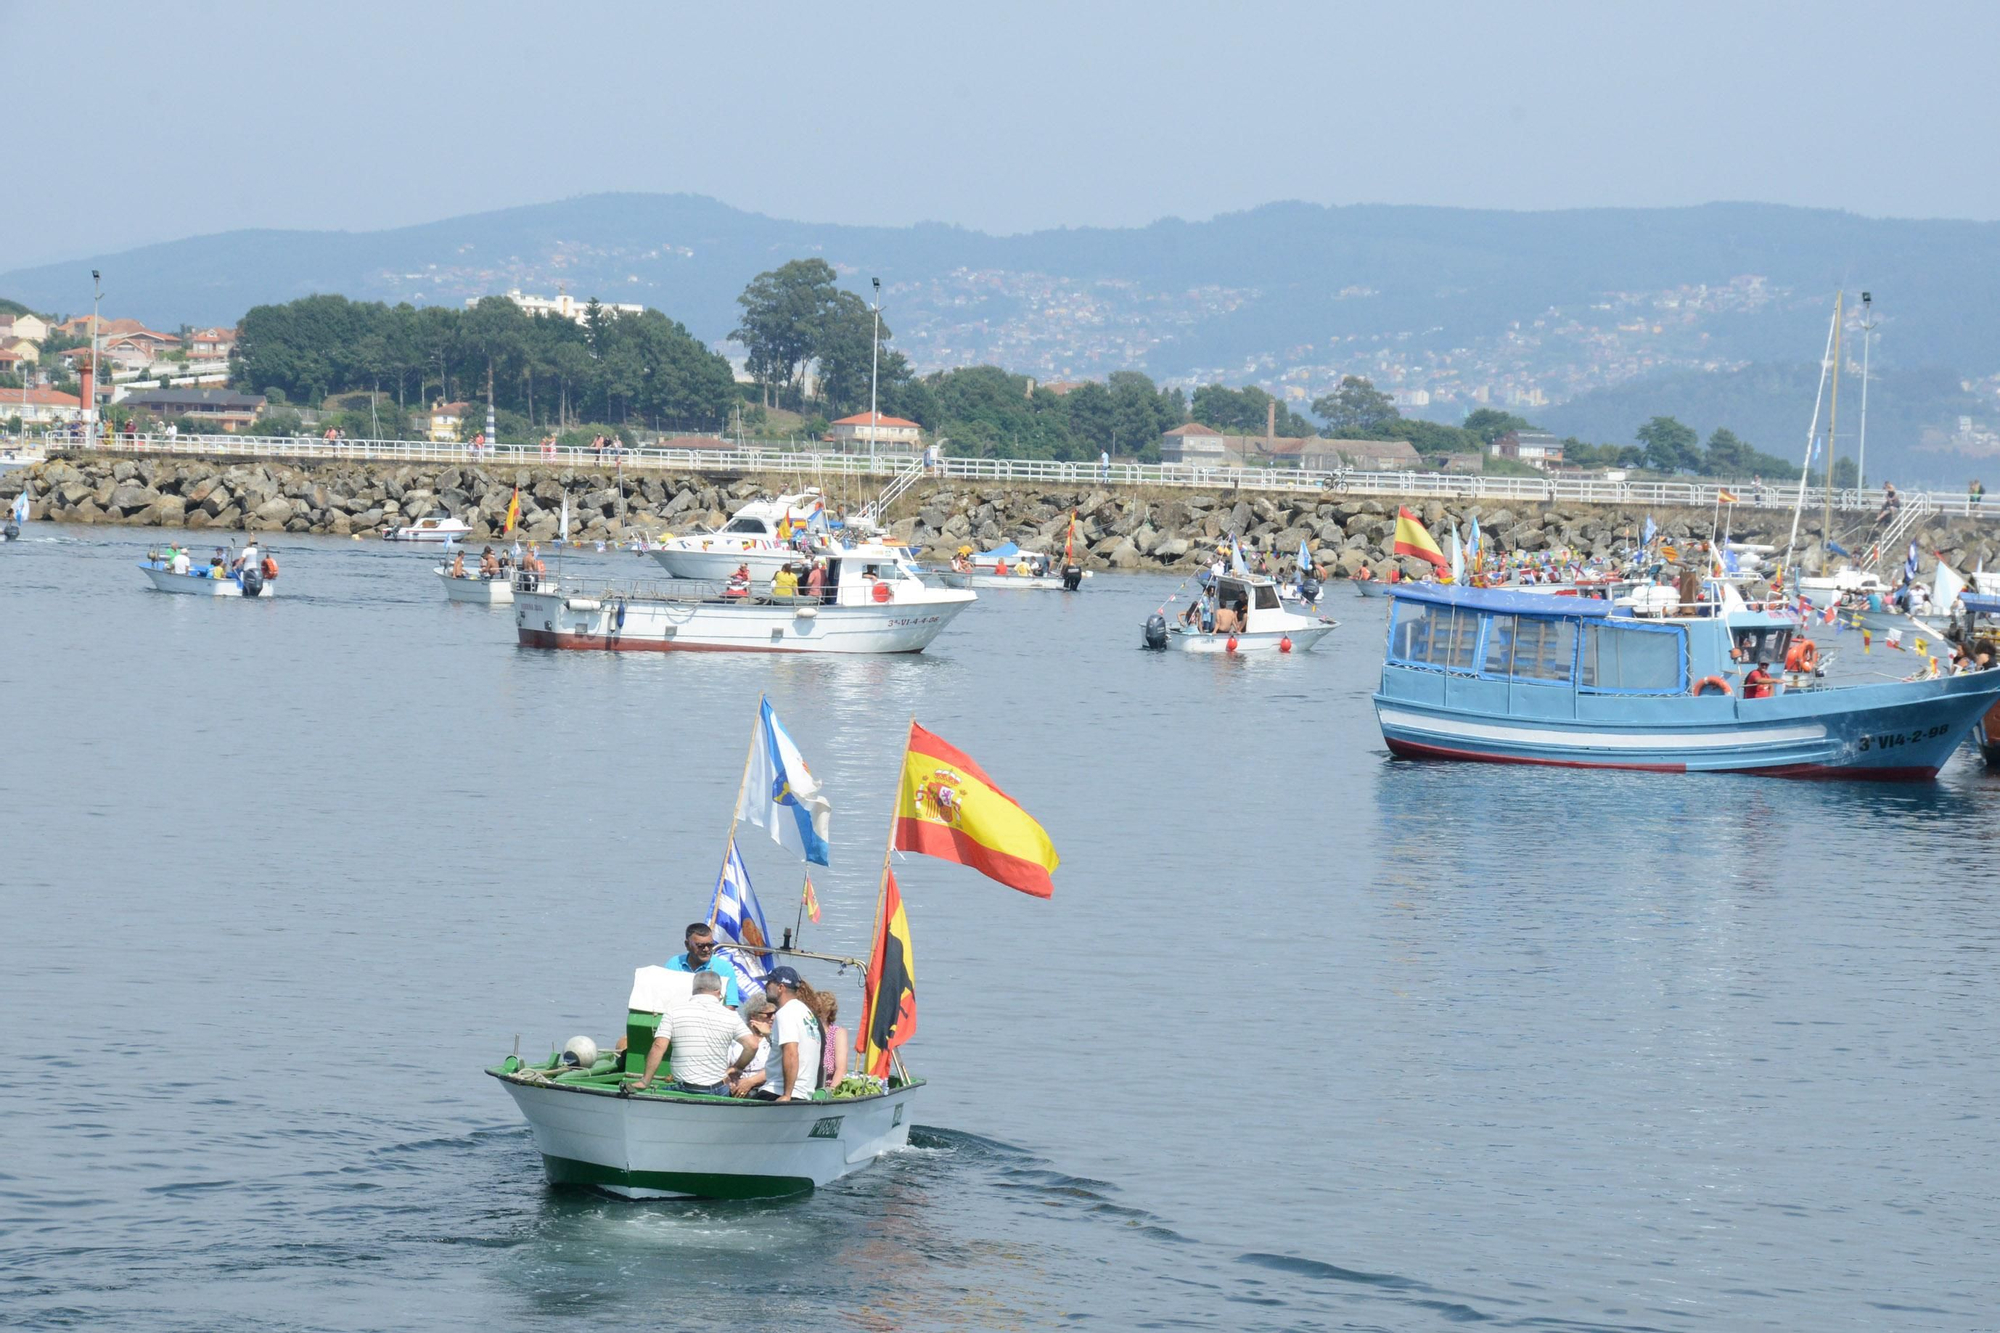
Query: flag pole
(736,811)
(882,898)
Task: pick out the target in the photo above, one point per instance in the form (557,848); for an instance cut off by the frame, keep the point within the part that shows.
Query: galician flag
(739,919)
(1412,538)
(947,807)
(782,795)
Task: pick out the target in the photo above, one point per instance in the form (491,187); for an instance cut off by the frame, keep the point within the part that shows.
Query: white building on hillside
(563,305)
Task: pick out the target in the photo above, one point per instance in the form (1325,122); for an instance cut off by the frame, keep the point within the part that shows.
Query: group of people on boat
(778,1043)
(227,562)
(1025,564)
(794,579)
(502,565)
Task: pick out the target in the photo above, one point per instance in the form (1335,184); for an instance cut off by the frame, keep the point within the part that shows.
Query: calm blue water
(1306,1039)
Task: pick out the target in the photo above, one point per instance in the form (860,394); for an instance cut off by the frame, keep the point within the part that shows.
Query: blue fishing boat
(1521,678)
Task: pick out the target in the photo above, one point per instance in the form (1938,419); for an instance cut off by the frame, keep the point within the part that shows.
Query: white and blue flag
(782,795)
(1237,565)
(1646,533)
(21,507)
(1457,557)
(739,919)
(1910,563)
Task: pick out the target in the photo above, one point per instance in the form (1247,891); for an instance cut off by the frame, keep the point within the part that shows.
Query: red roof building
(880,431)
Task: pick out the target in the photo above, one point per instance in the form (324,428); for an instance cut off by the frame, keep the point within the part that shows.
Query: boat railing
(681,591)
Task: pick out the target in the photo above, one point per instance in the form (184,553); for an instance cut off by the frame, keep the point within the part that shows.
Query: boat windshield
(755,525)
(1267,597)
(1760,643)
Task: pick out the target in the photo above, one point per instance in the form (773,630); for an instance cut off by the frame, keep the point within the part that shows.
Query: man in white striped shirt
(711,1043)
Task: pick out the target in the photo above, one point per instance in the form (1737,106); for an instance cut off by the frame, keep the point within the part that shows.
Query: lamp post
(90,408)
(874,367)
(1867,336)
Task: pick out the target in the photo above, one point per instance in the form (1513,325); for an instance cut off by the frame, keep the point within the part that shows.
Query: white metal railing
(807,465)
(1916,509)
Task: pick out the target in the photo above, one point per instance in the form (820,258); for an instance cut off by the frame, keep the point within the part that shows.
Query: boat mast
(1867,336)
(736,811)
(1832,418)
(1812,434)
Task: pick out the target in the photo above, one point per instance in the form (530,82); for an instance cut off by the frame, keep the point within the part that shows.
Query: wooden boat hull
(200,585)
(476,591)
(1899,730)
(551,619)
(668,1146)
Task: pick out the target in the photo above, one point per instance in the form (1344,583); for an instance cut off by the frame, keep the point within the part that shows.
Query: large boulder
(129,498)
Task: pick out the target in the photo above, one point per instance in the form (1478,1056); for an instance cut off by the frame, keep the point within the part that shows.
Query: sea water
(1307,1037)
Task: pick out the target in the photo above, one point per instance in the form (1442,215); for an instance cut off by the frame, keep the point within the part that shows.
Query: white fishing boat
(873,601)
(437,528)
(1266,624)
(1009,567)
(474,588)
(250,583)
(593,1127)
(750,537)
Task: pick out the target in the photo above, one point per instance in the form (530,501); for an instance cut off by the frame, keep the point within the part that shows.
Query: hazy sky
(160,122)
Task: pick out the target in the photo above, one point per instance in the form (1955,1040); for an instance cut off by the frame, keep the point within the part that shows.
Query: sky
(1001,117)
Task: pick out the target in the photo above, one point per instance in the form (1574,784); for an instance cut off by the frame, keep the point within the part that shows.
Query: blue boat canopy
(1003,549)
(1981,603)
(1503,600)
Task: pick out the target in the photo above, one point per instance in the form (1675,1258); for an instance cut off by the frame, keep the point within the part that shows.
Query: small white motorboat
(1009,567)
(1268,626)
(874,601)
(474,588)
(437,528)
(750,537)
(249,583)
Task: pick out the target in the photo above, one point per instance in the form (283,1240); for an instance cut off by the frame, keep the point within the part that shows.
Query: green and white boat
(592,1130)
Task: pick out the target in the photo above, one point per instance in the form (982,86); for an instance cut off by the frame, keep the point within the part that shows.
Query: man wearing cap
(701,957)
(795,1039)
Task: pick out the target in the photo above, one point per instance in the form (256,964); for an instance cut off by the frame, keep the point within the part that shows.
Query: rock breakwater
(1117,528)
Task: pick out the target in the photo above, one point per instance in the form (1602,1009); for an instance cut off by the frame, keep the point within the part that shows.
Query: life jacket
(270,566)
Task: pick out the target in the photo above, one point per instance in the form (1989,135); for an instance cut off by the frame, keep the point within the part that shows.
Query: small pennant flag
(1895,640)
(1867,640)
(1919,645)
(812,901)
(513,512)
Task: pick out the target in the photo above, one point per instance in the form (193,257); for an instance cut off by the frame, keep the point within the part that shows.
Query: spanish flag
(947,807)
(889,1007)
(513,512)
(1413,539)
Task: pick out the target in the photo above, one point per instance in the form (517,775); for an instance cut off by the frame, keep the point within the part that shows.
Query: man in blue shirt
(701,957)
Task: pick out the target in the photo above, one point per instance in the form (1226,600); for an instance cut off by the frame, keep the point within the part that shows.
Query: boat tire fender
(1707,683)
(618,618)
(883,592)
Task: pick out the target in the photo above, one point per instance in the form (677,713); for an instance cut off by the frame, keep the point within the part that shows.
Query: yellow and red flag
(1726,496)
(948,808)
(1412,538)
(889,1008)
(513,512)
(812,901)
(1069,538)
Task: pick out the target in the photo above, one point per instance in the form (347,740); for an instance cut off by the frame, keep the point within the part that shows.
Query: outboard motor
(253,581)
(12,531)
(1309,591)
(1156,632)
(1072,577)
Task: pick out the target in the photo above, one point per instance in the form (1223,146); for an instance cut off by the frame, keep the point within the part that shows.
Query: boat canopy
(1981,603)
(1502,600)
(1001,551)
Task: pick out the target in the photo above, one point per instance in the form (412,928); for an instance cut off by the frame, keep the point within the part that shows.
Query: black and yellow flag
(889,1015)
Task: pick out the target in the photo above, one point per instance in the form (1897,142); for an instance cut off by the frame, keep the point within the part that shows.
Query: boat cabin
(1255,601)
(1514,653)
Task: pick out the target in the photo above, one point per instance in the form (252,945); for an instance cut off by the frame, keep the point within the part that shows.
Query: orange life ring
(1803,657)
(883,592)
(1702,686)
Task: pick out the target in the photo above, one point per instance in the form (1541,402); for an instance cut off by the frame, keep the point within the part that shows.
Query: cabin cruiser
(1256,617)
(750,537)
(872,600)
(1507,677)
(437,528)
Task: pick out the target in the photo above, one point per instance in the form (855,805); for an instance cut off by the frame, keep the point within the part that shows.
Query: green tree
(1669,446)
(843,347)
(1490,423)
(785,312)
(1244,411)
(1726,456)
(1357,410)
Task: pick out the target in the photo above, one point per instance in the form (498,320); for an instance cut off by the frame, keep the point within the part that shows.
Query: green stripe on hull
(700,1184)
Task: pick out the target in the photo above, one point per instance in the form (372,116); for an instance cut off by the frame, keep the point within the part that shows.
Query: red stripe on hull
(1412,750)
(1801,772)
(541,638)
